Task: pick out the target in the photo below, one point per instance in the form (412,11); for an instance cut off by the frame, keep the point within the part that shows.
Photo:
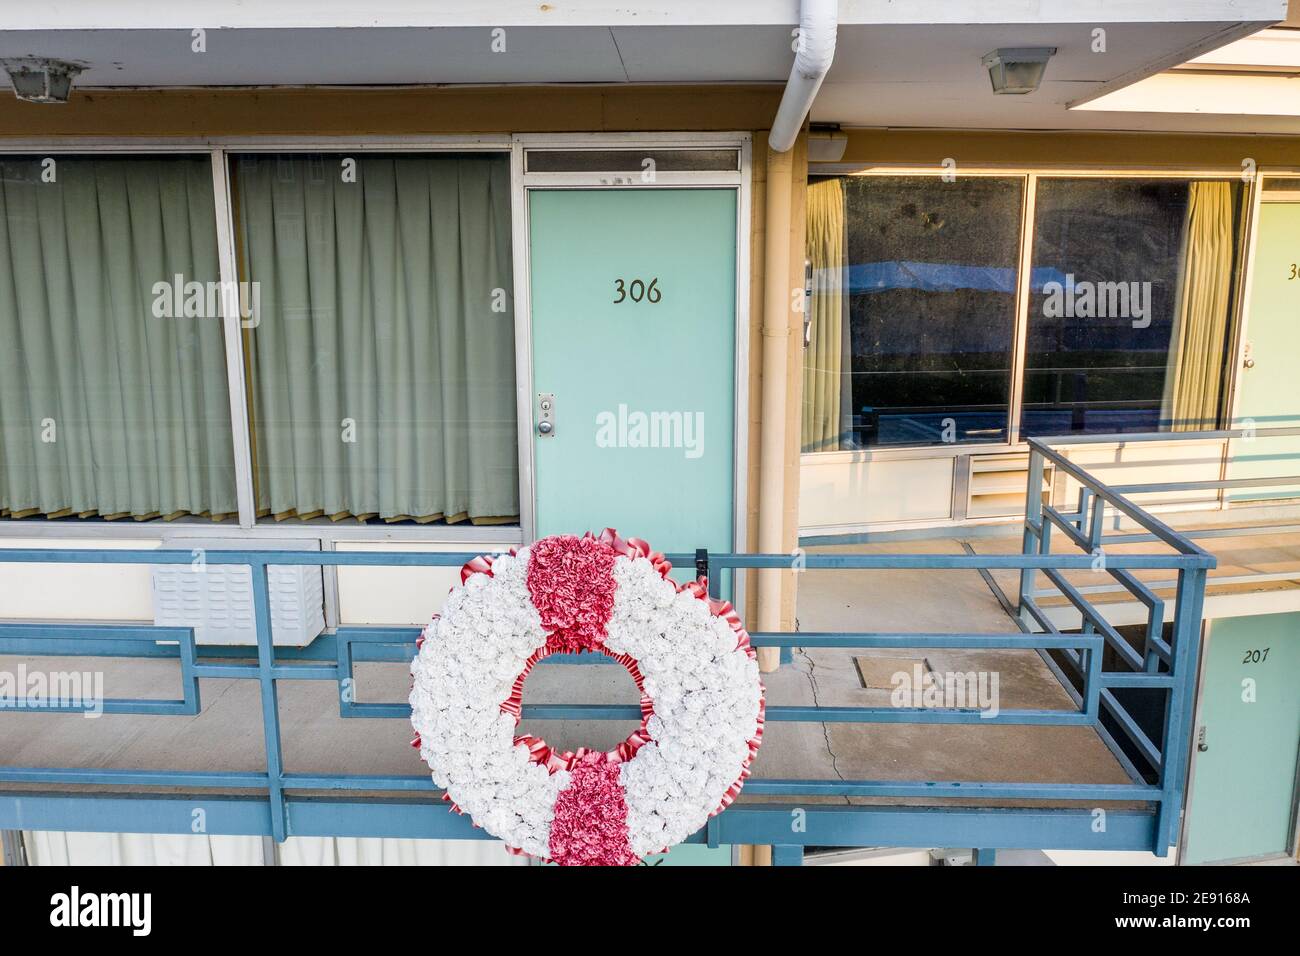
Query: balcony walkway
(1098,718)
(227,733)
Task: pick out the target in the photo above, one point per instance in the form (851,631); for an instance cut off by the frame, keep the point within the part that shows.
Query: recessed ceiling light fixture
(41,79)
(1017,69)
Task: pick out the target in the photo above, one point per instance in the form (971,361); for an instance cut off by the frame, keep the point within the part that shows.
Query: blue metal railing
(1167,663)
(282,803)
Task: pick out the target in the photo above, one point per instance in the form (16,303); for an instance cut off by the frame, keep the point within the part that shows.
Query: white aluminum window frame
(1030,176)
(328,532)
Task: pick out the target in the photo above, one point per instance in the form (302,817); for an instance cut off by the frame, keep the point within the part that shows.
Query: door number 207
(637,290)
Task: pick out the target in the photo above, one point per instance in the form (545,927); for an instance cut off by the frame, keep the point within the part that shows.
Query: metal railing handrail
(1114,438)
(1041,452)
(1167,668)
(739,561)
(1173,654)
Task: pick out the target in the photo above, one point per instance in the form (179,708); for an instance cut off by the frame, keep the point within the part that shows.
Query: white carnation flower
(705,692)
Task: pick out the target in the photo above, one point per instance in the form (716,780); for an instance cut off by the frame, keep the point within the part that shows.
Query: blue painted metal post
(1085,493)
(270,699)
(787,855)
(1154,632)
(189,679)
(1188,607)
(1035,527)
(1096,524)
(347,683)
(1092,657)
(986,857)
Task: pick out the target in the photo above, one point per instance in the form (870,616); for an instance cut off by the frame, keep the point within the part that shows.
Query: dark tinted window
(1130,298)
(927,287)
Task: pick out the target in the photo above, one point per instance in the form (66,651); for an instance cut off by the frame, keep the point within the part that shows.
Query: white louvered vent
(217,600)
(997,485)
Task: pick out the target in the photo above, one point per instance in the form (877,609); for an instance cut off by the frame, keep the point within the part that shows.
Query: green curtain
(1194,377)
(825,380)
(106,408)
(382,362)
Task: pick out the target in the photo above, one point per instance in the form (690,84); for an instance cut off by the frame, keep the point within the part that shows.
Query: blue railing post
(1188,607)
(787,855)
(270,698)
(1091,658)
(1035,530)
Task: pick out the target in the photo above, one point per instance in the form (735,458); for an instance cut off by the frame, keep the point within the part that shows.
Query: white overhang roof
(915,64)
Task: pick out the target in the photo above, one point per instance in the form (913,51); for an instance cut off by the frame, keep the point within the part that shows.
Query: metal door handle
(545,414)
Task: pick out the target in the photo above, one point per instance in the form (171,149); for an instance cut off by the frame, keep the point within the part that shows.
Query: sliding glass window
(1132,290)
(912,315)
(380,347)
(113,379)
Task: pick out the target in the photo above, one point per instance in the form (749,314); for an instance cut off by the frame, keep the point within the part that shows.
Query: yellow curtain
(823,378)
(1194,380)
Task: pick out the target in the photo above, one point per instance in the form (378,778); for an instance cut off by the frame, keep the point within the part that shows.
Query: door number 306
(637,290)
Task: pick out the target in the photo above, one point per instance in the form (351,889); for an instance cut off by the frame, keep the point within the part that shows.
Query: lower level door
(634,337)
(1243,792)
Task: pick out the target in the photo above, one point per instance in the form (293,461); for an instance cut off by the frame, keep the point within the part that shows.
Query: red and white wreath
(701,700)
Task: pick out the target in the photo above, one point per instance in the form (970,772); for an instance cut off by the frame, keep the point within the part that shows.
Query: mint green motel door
(1243,791)
(634,336)
(1269,397)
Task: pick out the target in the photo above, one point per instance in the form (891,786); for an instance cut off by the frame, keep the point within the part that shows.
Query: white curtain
(828,360)
(1194,377)
(382,365)
(112,403)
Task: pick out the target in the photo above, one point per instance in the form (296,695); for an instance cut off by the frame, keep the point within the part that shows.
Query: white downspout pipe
(818,20)
(817,26)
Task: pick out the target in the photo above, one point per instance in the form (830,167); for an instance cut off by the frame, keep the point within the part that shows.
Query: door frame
(524,182)
(1257,197)
(1293,829)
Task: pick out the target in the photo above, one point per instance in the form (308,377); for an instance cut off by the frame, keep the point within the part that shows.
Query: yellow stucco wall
(429,111)
(888,147)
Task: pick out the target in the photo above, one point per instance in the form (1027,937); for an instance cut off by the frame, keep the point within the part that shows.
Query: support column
(777,312)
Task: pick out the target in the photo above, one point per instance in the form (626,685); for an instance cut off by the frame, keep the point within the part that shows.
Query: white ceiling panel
(252,14)
(705,54)
(328,57)
(932,77)
(890,74)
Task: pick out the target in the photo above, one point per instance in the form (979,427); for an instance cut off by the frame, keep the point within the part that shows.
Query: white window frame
(219,150)
(1031,176)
